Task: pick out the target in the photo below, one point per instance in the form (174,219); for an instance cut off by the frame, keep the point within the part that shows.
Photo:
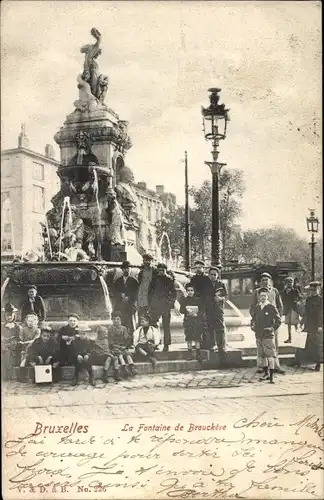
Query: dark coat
(215,309)
(38,307)
(201,284)
(265,321)
(130,289)
(162,292)
(313,316)
(39,348)
(289,298)
(83,346)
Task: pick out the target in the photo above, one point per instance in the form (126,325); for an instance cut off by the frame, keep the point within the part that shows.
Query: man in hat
(10,333)
(125,294)
(83,347)
(33,304)
(202,286)
(290,298)
(215,299)
(161,301)
(313,325)
(274,299)
(145,277)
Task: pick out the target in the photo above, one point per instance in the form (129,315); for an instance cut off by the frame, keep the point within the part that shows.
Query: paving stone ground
(196,393)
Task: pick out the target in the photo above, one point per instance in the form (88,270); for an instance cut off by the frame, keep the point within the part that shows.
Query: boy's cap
(116,314)
(266,275)
(161,266)
(125,264)
(32,287)
(46,328)
(9,308)
(84,328)
(72,315)
(263,290)
(199,262)
(315,284)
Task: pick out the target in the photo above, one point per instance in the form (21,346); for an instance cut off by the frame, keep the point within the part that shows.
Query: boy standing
(146,339)
(119,341)
(274,299)
(10,334)
(265,321)
(193,321)
(104,355)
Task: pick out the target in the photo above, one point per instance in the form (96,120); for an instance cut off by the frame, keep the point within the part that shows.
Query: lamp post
(312,227)
(215,119)
(187,218)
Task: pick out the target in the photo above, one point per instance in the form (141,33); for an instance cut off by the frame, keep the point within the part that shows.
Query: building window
(235,287)
(5,167)
(7,227)
(38,171)
(157,214)
(6,244)
(247,286)
(4,196)
(149,213)
(38,199)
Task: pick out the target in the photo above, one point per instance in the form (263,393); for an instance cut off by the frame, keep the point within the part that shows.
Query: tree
(231,191)
(275,244)
(173,224)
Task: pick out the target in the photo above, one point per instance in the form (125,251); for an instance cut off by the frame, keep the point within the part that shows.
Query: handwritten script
(250,457)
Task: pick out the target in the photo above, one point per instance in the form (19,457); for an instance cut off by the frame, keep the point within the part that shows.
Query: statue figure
(124,143)
(102,87)
(91,68)
(87,100)
(85,190)
(126,195)
(116,231)
(83,143)
(74,229)
(76,253)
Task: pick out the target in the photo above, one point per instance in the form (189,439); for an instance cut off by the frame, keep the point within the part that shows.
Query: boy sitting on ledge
(43,351)
(146,339)
(83,348)
(104,356)
(119,342)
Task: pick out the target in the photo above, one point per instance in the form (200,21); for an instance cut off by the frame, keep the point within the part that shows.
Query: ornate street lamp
(312,227)
(215,120)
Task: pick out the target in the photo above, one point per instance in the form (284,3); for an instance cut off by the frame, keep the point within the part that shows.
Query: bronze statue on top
(92,84)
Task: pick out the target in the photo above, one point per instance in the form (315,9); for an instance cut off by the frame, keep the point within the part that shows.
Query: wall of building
(31,181)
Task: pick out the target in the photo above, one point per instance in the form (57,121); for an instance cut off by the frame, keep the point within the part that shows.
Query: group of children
(32,344)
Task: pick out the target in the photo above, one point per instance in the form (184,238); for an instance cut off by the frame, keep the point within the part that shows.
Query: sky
(161,58)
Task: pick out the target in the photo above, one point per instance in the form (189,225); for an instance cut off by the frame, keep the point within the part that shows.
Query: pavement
(201,392)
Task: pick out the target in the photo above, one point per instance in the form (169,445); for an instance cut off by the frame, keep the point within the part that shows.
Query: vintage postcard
(161,250)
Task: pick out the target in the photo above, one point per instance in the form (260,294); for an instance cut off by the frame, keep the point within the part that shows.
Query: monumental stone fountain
(94,213)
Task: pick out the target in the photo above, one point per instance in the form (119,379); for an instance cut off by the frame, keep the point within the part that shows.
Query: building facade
(151,207)
(28,182)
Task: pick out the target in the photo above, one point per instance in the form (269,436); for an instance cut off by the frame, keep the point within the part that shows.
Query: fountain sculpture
(85,233)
